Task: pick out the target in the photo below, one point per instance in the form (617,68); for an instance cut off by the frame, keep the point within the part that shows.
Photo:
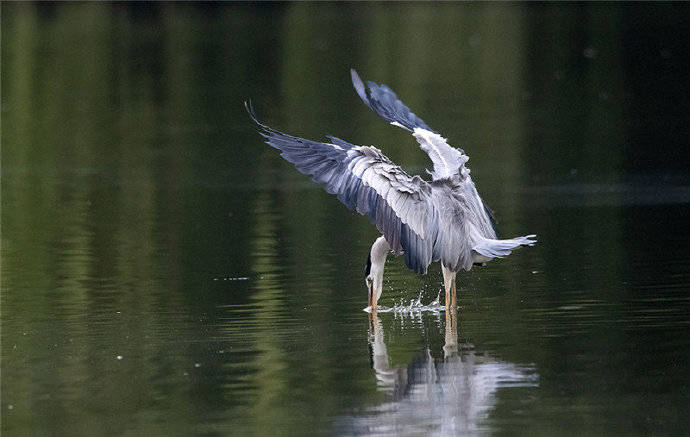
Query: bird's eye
(369,280)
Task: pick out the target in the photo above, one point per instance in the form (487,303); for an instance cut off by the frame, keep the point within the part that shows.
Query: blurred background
(165,272)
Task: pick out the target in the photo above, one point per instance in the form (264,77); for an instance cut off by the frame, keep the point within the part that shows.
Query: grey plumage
(386,104)
(365,180)
(448,161)
(442,220)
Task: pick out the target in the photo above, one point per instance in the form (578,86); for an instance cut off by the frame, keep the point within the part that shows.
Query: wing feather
(385,103)
(365,180)
(448,161)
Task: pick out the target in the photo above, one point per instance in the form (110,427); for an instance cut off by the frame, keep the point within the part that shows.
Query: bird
(439,220)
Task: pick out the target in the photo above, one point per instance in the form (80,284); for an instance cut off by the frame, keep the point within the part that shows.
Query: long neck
(378,254)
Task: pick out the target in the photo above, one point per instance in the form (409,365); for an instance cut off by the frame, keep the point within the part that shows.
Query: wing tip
(359,86)
(250,110)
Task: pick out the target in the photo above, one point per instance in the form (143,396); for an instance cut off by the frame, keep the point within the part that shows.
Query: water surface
(165,273)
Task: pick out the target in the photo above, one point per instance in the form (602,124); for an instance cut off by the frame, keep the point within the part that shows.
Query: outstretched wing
(385,103)
(448,161)
(365,180)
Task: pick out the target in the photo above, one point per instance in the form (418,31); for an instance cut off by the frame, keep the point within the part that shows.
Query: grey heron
(439,220)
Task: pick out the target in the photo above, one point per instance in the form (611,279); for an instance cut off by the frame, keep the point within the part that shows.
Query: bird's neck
(379,252)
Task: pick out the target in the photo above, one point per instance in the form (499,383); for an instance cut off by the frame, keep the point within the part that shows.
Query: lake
(164,272)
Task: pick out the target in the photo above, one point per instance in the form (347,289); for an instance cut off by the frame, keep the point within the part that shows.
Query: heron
(442,220)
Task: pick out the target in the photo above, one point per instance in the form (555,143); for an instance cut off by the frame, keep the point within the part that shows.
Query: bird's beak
(372,297)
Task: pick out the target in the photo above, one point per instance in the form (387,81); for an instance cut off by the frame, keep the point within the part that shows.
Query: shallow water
(164,272)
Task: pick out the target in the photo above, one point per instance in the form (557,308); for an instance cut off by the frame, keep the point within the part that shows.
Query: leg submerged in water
(450,348)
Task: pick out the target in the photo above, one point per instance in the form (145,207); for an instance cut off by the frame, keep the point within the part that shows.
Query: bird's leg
(453,294)
(450,295)
(449,285)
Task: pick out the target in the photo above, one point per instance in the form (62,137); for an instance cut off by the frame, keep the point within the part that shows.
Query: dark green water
(165,273)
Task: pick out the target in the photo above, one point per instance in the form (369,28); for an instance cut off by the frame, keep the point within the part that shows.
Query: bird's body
(441,220)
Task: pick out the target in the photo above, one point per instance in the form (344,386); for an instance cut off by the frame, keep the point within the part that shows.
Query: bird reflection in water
(453,395)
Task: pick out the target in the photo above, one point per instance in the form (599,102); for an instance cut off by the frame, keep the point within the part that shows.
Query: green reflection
(137,198)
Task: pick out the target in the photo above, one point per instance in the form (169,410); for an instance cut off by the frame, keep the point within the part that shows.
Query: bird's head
(373,278)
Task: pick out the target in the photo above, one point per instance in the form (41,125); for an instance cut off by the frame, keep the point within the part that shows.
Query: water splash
(413,307)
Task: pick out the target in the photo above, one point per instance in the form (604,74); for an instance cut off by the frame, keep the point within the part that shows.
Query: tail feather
(501,248)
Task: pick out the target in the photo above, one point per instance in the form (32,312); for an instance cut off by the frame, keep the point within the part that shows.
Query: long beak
(371,298)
